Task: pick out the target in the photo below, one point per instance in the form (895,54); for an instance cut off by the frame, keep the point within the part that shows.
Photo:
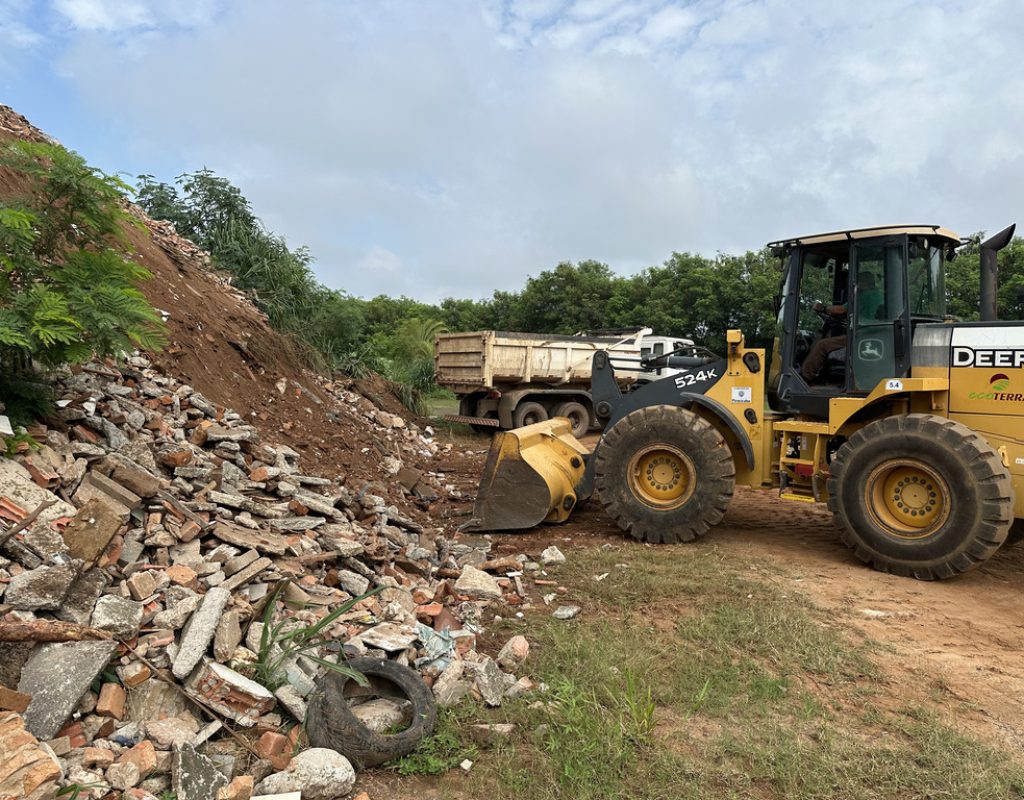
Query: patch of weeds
(440,752)
(282,641)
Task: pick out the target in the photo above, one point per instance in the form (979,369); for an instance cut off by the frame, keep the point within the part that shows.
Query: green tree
(67,292)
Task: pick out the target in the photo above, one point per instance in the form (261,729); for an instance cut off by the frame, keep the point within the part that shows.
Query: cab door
(879,338)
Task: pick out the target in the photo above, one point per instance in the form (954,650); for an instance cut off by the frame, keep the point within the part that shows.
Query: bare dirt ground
(957,643)
(964,636)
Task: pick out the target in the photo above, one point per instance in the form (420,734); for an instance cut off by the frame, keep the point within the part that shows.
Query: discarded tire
(330,722)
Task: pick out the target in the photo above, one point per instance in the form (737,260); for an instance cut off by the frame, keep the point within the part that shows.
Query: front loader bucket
(530,477)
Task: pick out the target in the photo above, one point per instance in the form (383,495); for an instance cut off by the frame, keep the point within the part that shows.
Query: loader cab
(848,306)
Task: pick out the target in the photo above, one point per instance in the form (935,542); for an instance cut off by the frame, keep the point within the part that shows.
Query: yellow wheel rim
(661,476)
(907,498)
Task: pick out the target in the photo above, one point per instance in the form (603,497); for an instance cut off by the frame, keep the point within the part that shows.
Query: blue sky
(452,148)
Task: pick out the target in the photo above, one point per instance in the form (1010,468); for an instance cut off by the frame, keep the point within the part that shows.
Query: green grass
(688,676)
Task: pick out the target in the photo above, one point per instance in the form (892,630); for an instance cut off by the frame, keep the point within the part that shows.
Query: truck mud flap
(531,476)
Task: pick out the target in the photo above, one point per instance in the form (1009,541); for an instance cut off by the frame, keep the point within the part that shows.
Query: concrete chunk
(90,532)
(119,615)
(194,776)
(56,676)
(40,589)
(199,631)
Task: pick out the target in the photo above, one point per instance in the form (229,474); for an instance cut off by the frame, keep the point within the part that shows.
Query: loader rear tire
(528,413)
(577,414)
(920,496)
(664,474)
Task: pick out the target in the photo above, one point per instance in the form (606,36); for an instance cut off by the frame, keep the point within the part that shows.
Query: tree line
(67,292)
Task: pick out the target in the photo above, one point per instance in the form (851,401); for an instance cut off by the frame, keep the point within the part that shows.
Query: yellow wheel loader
(907,423)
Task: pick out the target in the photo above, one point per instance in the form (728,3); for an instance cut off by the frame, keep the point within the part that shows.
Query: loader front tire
(664,474)
(920,496)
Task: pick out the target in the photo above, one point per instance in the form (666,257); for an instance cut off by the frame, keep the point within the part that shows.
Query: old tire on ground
(664,474)
(527,413)
(920,496)
(330,722)
(577,414)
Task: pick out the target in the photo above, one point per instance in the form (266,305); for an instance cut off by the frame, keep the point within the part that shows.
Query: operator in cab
(869,299)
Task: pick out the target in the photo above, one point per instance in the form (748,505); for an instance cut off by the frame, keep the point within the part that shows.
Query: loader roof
(867,233)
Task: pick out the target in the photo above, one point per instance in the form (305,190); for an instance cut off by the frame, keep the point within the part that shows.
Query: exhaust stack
(989,278)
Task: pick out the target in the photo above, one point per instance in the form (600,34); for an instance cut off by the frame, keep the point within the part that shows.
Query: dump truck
(907,423)
(508,380)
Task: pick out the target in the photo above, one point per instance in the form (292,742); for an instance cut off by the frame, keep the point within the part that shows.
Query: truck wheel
(528,413)
(577,414)
(664,474)
(920,496)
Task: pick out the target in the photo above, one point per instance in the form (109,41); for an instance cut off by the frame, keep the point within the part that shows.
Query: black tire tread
(985,467)
(666,423)
(330,722)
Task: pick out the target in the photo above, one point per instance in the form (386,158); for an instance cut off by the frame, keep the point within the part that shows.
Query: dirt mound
(222,345)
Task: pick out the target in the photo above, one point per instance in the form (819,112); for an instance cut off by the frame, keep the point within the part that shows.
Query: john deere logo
(999,382)
(871,350)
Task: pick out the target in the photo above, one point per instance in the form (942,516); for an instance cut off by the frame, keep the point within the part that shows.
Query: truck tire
(664,474)
(577,414)
(920,496)
(330,722)
(528,413)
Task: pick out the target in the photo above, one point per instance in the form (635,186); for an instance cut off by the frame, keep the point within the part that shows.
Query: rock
(155,700)
(40,589)
(119,615)
(318,773)
(290,698)
(450,688)
(477,584)
(194,776)
(246,575)
(552,555)
(389,636)
(180,607)
(513,654)
(230,693)
(352,583)
(131,476)
(56,676)
(173,731)
(124,775)
(240,788)
(492,733)
(28,771)
(228,635)
(18,485)
(81,598)
(566,612)
(199,631)
(141,585)
(273,543)
(89,533)
(379,714)
(111,701)
(490,682)
(95,486)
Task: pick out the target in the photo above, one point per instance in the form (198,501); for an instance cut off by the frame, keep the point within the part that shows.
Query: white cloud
(127,15)
(452,149)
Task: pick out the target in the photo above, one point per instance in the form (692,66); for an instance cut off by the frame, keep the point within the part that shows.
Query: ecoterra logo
(998,385)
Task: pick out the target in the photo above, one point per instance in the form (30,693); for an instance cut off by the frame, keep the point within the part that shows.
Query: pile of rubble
(143,543)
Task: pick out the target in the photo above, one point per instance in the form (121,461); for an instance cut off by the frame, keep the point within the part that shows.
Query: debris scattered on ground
(148,531)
